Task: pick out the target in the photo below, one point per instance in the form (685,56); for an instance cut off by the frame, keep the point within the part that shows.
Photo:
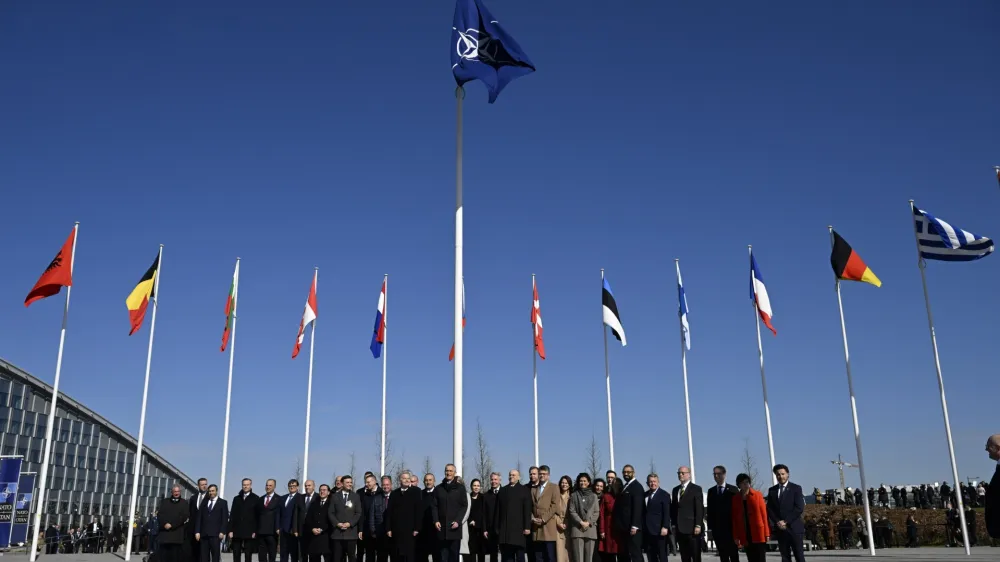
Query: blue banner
(22,508)
(10,472)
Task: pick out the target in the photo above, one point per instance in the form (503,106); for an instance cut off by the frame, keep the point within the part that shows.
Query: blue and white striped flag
(683,309)
(938,240)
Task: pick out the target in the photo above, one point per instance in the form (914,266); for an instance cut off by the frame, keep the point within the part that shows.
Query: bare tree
(389,461)
(484,462)
(652,466)
(749,465)
(399,466)
(350,471)
(427,465)
(593,458)
(298,469)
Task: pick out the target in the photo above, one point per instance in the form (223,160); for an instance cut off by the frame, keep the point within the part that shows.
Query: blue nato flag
(482,50)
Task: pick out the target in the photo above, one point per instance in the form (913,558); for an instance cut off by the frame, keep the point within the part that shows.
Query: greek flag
(938,240)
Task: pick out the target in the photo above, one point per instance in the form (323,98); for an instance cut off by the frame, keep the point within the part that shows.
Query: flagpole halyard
(457,456)
(229,384)
(763,379)
(684,369)
(385,342)
(921,265)
(309,383)
(534,369)
(854,411)
(607,380)
(142,416)
(50,421)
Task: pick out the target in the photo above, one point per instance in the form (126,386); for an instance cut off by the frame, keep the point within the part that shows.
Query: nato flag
(482,50)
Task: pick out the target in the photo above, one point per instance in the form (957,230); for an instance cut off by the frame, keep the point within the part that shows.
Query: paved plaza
(928,554)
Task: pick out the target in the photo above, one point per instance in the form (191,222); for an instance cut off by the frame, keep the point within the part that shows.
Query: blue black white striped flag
(938,240)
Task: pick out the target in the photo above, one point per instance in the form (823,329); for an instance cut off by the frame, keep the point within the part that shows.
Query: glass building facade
(92,460)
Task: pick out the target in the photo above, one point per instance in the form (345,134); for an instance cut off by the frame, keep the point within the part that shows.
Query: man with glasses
(719,515)
(687,513)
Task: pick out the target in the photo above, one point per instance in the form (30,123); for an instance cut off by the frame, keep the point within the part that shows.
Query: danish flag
(536,321)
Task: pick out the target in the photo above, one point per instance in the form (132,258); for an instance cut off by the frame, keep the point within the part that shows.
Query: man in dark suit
(627,516)
(719,515)
(211,525)
(286,524)
(785,505)
(992,514)
(490,523)
(366,539)
(657,521)
(513,522)
(452,505)
(345,515)
(195,502)
(268,515)
(687,511)
(243,523)
(377,521)
(405,518)
(302,503)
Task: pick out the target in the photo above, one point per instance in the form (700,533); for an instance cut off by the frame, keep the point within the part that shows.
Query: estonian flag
(611,318)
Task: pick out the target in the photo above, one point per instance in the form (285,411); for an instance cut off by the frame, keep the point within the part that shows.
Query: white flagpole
(309,385)
(50,422)
(944,401)
(854,415)
(229,387)
(607,379)
(684,369)
(534,368)
(142,417)
(385,346)
(457,421)
(763,379)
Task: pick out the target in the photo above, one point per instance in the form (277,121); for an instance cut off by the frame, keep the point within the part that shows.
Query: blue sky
(322,134)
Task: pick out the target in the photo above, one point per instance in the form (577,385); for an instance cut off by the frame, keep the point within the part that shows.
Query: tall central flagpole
(763,379)
(457,422)
(385,341)
(142,417)
(309,384)
(684,369)
(607,381)
(229,386)
(854,415)
(50,422)
(534,380)
(944,401)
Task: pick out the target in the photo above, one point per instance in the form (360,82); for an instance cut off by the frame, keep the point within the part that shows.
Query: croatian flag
(758,293)
(378,338)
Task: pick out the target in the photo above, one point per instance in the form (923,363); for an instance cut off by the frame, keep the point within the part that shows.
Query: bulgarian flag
(231,306)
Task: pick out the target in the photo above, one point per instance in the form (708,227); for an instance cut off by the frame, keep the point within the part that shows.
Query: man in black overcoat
(173,517)
(513,520)
(452,505)
(405,517)
(243,523)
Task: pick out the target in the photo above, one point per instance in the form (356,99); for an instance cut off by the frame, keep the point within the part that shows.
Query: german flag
(139,298)
(848,265)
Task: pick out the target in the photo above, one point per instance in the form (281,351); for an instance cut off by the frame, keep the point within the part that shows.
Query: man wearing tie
(377,525)
(720,515)
(211,525)
(785,505)
(628,516)
(268,515)
(286,524)
(345,514)
(405,519)
(688,512)
(302,503)
(194,505)
(491,525)
(657,521)
(243,523)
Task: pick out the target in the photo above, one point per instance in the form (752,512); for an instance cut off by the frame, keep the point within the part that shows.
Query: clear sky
(322,134)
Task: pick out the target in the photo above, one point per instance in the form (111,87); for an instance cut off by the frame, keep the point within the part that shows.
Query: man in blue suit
(785,505)
(211,526)
(657,520)
(289,540)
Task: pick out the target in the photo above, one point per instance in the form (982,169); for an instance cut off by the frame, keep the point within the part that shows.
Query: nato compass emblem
(24,502)
(467,45)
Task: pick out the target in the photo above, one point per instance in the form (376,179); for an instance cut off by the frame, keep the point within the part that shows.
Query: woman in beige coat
(584,510)
(562,548)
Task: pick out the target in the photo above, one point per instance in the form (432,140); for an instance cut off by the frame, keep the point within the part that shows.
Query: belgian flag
(138,299)
(848,265)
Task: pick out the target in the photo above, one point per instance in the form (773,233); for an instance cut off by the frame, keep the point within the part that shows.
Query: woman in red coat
(750,528)
(607,539)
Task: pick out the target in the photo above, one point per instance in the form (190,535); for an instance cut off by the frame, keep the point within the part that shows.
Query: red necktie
(267,500)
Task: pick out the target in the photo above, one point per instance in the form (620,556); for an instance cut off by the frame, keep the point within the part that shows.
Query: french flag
(758,293)
(378,338)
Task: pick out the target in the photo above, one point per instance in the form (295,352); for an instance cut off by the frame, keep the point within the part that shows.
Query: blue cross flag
(482,50)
